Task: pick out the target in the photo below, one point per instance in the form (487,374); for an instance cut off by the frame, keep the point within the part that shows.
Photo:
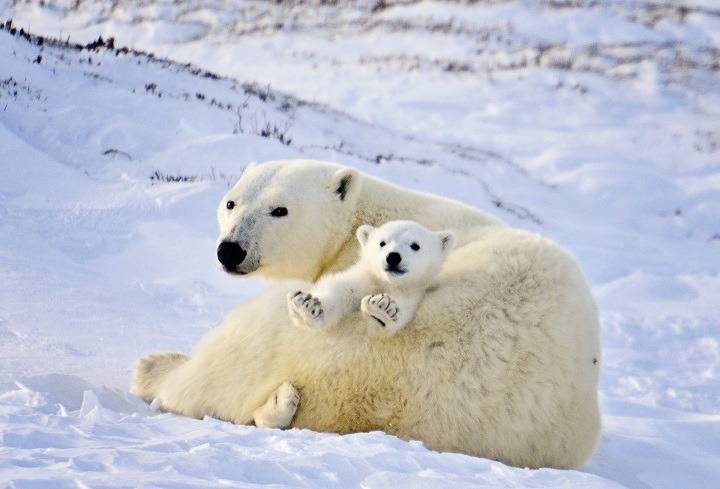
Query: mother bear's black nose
(393,259)
(230,254)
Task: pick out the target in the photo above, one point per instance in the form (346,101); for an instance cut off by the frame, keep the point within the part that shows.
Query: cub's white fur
(398,261)
(500,361)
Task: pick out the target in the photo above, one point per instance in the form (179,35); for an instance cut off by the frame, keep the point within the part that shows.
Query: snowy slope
(594,124)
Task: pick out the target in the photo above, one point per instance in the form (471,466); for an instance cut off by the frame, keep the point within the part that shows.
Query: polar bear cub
(398,261)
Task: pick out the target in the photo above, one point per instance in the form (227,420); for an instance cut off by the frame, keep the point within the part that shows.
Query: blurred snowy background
(595,123)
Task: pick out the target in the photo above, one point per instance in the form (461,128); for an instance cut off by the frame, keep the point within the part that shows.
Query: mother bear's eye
(415,246)
(279,212)
(382,243)
(230,204)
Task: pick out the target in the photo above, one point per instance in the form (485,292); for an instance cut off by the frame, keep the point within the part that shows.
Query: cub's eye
(415,247)
(382,243)
(230,204)
(279,212)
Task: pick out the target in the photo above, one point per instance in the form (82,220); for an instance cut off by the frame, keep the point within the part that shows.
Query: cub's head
(282,218)
(403,251)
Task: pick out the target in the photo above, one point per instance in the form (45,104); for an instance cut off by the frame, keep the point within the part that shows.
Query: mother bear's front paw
(305,310)
(279,409)
(382,311)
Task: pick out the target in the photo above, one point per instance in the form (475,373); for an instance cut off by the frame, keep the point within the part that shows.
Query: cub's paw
(279,409)
(382,311)
(305,309)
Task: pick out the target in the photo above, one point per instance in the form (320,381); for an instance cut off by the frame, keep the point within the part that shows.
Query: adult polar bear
(501,360)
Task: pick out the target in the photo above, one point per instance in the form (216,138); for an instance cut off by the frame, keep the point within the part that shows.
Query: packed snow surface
(596,124)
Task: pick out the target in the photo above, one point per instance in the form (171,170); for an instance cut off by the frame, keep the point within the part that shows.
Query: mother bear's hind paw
(151,370)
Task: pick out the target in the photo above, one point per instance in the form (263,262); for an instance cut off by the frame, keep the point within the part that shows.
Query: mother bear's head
(284,218)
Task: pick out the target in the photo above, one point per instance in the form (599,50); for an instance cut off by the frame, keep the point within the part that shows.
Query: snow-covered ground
(594,123)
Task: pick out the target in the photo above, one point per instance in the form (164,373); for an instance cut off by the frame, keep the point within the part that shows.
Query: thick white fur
(500,361)
(388,296)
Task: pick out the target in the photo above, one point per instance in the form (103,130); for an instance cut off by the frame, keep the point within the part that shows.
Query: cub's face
(280,216)
(403,252)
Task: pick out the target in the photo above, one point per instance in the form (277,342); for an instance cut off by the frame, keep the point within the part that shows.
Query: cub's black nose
(230,254)
(393,259)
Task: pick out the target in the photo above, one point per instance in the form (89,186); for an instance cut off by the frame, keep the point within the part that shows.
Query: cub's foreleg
(333,297)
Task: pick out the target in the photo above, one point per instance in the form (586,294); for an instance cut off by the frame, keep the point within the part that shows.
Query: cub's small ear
(363,233)
(447,240)
(346,183)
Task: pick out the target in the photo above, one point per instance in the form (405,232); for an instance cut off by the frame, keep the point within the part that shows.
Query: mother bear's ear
(447,241)
(346,183)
